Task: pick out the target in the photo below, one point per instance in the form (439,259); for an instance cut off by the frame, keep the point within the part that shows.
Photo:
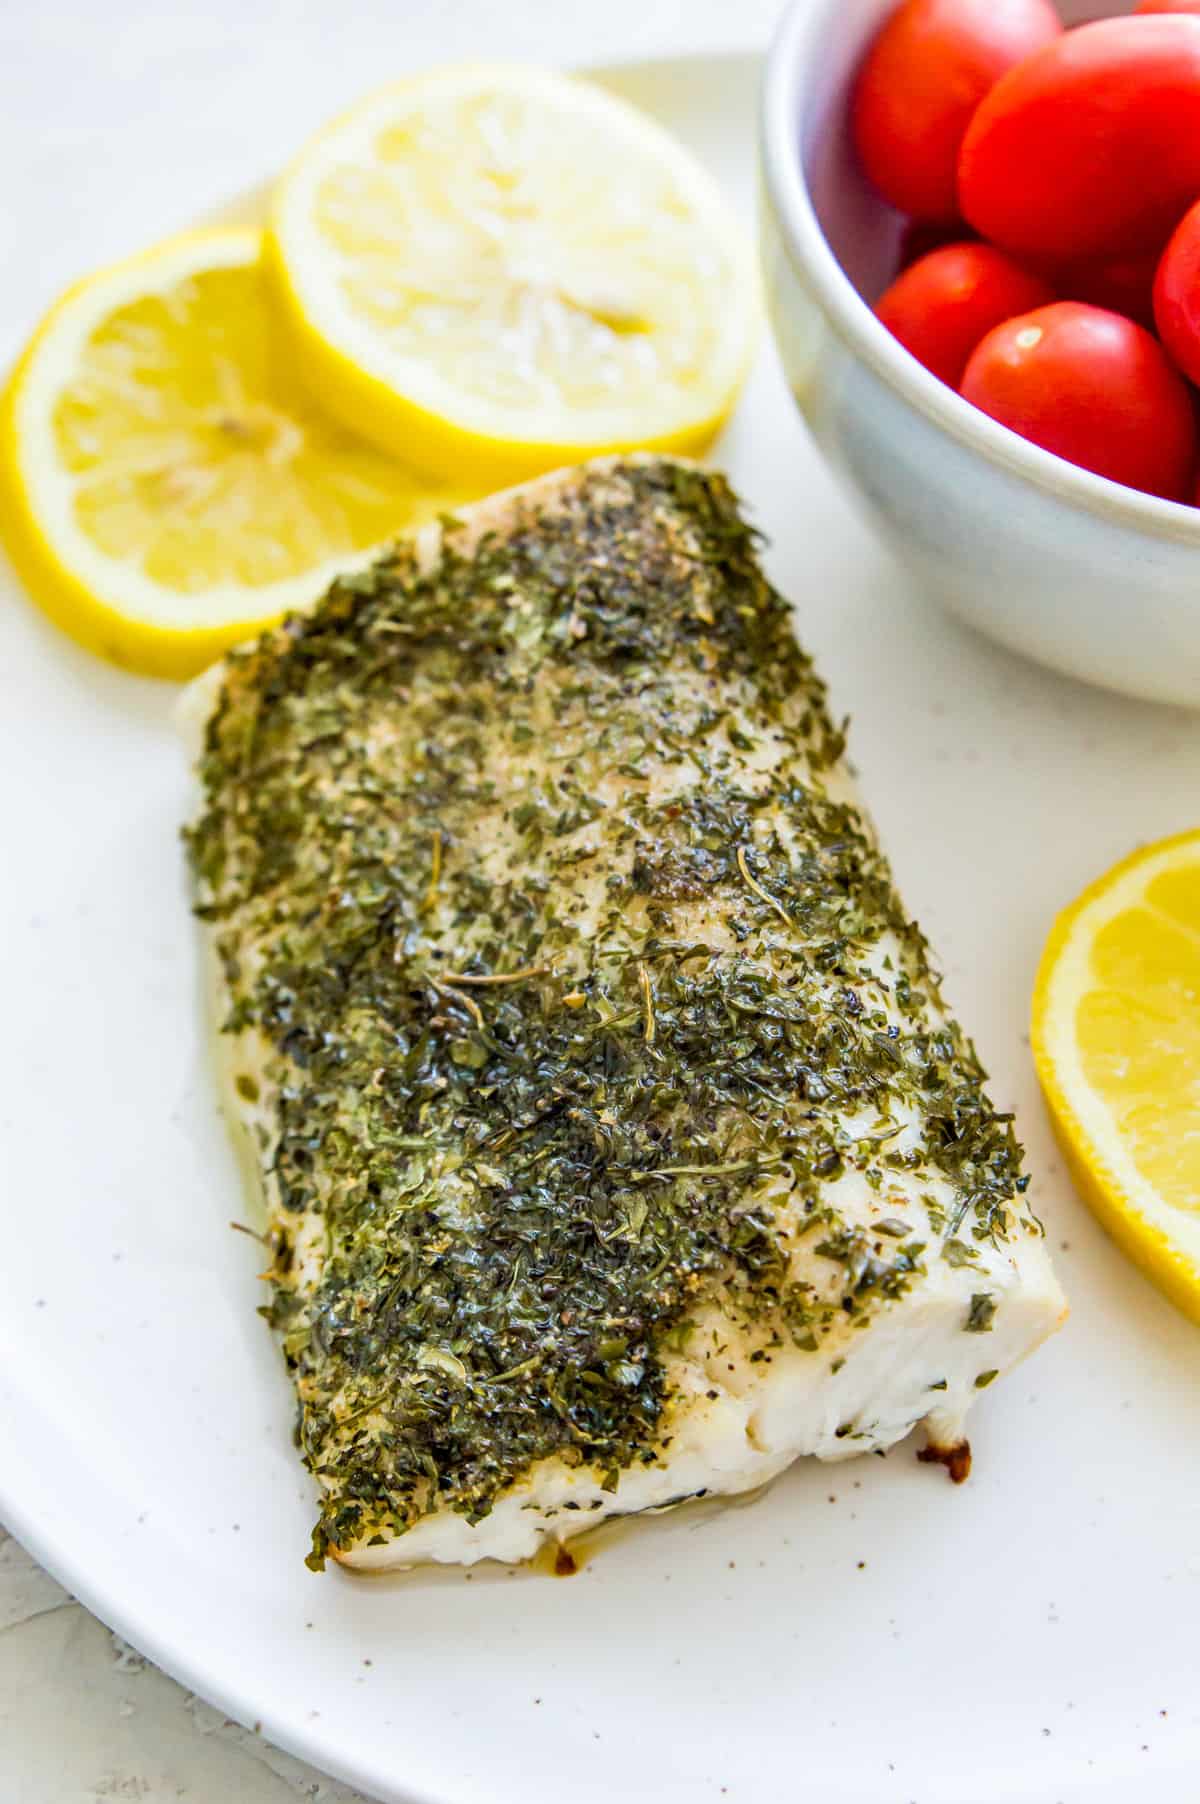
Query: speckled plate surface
(860,1635)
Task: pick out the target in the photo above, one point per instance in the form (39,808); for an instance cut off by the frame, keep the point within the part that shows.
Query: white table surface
(121,120)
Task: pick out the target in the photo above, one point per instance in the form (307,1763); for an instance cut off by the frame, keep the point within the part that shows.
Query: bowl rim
(798,43)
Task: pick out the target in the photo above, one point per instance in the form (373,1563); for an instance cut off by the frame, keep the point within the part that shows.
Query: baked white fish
(615,1143)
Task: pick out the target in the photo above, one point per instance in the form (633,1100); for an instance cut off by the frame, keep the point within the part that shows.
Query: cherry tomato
(917,240)
(1177,295)
(1168,6)
(1094,388)
(923,77)
(1125,286)
(1089,150)
(941,307)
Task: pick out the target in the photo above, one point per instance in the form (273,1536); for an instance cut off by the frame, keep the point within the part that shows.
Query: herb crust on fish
(615,1142)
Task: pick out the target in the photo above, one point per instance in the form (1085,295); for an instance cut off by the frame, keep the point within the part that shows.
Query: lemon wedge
(493,271)
(166,485)
(1116,1036)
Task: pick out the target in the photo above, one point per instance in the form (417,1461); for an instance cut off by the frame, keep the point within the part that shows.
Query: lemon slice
(166,486)
(497,270)
(1116,1036)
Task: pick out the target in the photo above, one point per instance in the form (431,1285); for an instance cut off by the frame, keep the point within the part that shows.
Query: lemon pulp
(1116,1033)
(173,486)
(1139,1032)
(512,268)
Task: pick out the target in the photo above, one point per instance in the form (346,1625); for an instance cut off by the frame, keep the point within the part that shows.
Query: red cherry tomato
(1089,150)
(923,77)
(941,307)
(1094,388)
(917,240)
(1124,287)
(1177,295)
(1168,6)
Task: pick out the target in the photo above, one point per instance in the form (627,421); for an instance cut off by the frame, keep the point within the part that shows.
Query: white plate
(864,1634)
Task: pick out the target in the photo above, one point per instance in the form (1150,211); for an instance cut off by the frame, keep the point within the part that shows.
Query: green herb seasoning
(576,995)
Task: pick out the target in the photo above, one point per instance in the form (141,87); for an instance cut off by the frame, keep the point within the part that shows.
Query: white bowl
(1091,578)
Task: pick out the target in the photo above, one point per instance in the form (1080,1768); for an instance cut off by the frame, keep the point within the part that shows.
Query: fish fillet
(615,1143)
